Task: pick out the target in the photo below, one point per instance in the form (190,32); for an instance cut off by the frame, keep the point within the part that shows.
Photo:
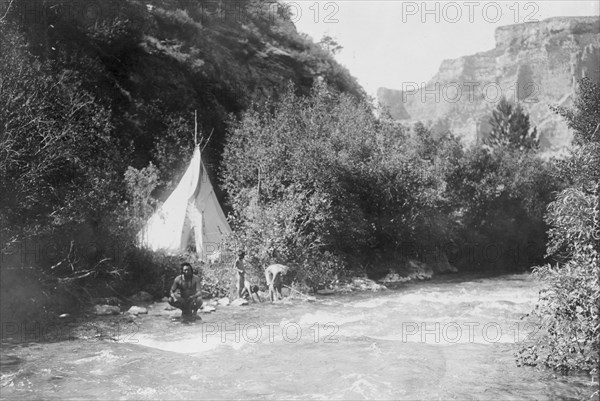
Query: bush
(568,306)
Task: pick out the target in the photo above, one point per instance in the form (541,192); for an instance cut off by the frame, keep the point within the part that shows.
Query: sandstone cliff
(536,63)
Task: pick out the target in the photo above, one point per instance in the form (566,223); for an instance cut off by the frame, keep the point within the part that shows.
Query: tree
(583,169)
(330,44)
(511,128)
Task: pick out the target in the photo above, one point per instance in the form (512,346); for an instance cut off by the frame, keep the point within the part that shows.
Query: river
(447,339)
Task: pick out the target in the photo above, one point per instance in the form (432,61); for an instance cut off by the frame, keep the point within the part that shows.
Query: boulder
(212,302)
(129,318)
(137,310)
(393,277)
(440,264)
(224,301)
(106,310)
(239,302)
(141,298)
(207,309)
(419,270)
(364,284)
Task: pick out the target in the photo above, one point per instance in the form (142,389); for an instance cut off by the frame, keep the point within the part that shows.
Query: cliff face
(535,63)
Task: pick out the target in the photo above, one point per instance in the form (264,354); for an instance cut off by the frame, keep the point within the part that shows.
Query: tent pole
(195,127)
(208,140)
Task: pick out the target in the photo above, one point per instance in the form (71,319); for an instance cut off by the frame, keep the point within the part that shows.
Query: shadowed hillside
(154,62)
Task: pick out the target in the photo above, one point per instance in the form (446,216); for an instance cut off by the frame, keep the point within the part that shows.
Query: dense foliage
(314,179)
(568,305)
(501,196)
(59,162)
(319,178)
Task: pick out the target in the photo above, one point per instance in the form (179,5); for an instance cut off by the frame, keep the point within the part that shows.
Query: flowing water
(437,340)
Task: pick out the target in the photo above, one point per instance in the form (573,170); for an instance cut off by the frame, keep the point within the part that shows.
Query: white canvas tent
(192,208)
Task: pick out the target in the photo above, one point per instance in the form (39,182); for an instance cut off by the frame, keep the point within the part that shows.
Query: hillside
(536,63)
(154,62)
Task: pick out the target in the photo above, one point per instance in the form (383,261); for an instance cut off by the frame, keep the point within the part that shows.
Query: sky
(388,43)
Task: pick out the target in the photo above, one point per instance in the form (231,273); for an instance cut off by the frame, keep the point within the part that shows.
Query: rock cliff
(535,63)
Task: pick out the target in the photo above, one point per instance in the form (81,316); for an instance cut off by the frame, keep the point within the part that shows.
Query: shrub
(568,306)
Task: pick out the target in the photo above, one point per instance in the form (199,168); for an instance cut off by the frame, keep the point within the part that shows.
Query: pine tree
(511,128)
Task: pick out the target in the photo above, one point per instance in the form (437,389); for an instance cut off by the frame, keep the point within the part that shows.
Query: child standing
(240,273)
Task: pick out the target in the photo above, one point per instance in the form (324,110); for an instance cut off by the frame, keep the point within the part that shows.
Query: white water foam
(198,344)
(368,386)
(105,356)
(370,303)
(322,317)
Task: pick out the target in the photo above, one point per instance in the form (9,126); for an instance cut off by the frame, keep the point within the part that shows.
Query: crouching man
(273,276)
(186,292)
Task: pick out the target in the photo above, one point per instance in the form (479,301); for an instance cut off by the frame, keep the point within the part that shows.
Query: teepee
(192,209)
